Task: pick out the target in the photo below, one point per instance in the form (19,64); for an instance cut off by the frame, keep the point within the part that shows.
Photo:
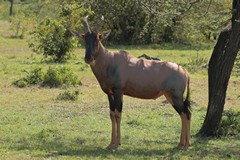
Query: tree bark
(11,8)
(220,68)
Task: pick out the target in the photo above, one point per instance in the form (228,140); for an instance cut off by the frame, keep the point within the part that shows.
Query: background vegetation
(71,121)
(51,23)
(132,22)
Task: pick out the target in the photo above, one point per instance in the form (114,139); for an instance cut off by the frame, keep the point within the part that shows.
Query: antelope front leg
(115,102)
(112,144)
(116,130)
(118,116)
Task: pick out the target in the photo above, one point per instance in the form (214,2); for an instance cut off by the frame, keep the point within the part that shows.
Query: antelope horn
(99,24)
(86,25)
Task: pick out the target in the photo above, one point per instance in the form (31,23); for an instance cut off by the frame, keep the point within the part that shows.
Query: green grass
(35,125)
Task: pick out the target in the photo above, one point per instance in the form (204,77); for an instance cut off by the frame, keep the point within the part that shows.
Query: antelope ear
(104,35)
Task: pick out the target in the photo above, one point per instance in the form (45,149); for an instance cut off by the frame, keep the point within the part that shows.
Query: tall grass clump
(230,124)
(197,64)
(68,95)
(236,69)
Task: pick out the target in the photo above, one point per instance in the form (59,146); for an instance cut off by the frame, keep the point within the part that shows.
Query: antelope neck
(101,56)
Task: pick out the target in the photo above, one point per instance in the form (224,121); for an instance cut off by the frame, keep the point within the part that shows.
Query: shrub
(53,77)
(51,38)
(21,83)
(18,27)
(33,77)
(230,124)
(68,95)
(57,77)
(23,19)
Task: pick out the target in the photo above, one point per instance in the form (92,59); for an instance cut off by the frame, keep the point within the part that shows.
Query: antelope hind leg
(185,133)
(185,130)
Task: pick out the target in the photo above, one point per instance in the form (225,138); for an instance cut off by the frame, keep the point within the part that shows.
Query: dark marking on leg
(111,102)
(115,102)
(178,109)
(118,97)
(182,108)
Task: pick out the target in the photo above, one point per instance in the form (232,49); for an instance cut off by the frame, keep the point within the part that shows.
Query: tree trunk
(11,8)
(220,68)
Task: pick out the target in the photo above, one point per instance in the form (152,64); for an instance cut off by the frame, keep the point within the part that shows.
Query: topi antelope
(119,73)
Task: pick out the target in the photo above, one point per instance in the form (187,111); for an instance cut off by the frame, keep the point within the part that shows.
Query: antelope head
(92,39)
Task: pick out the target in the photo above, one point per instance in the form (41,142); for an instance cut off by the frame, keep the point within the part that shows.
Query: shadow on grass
(79,148)
(218,147)
(97,152)
(146,149)
(201,148)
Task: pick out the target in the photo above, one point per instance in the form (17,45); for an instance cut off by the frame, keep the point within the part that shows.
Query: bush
(33,77)
(53,77)
(21,83)
(51,38)
(156,21)
(68,95)
(18,27)
(57,77)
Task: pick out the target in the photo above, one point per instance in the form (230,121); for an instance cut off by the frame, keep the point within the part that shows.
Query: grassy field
(35,125)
